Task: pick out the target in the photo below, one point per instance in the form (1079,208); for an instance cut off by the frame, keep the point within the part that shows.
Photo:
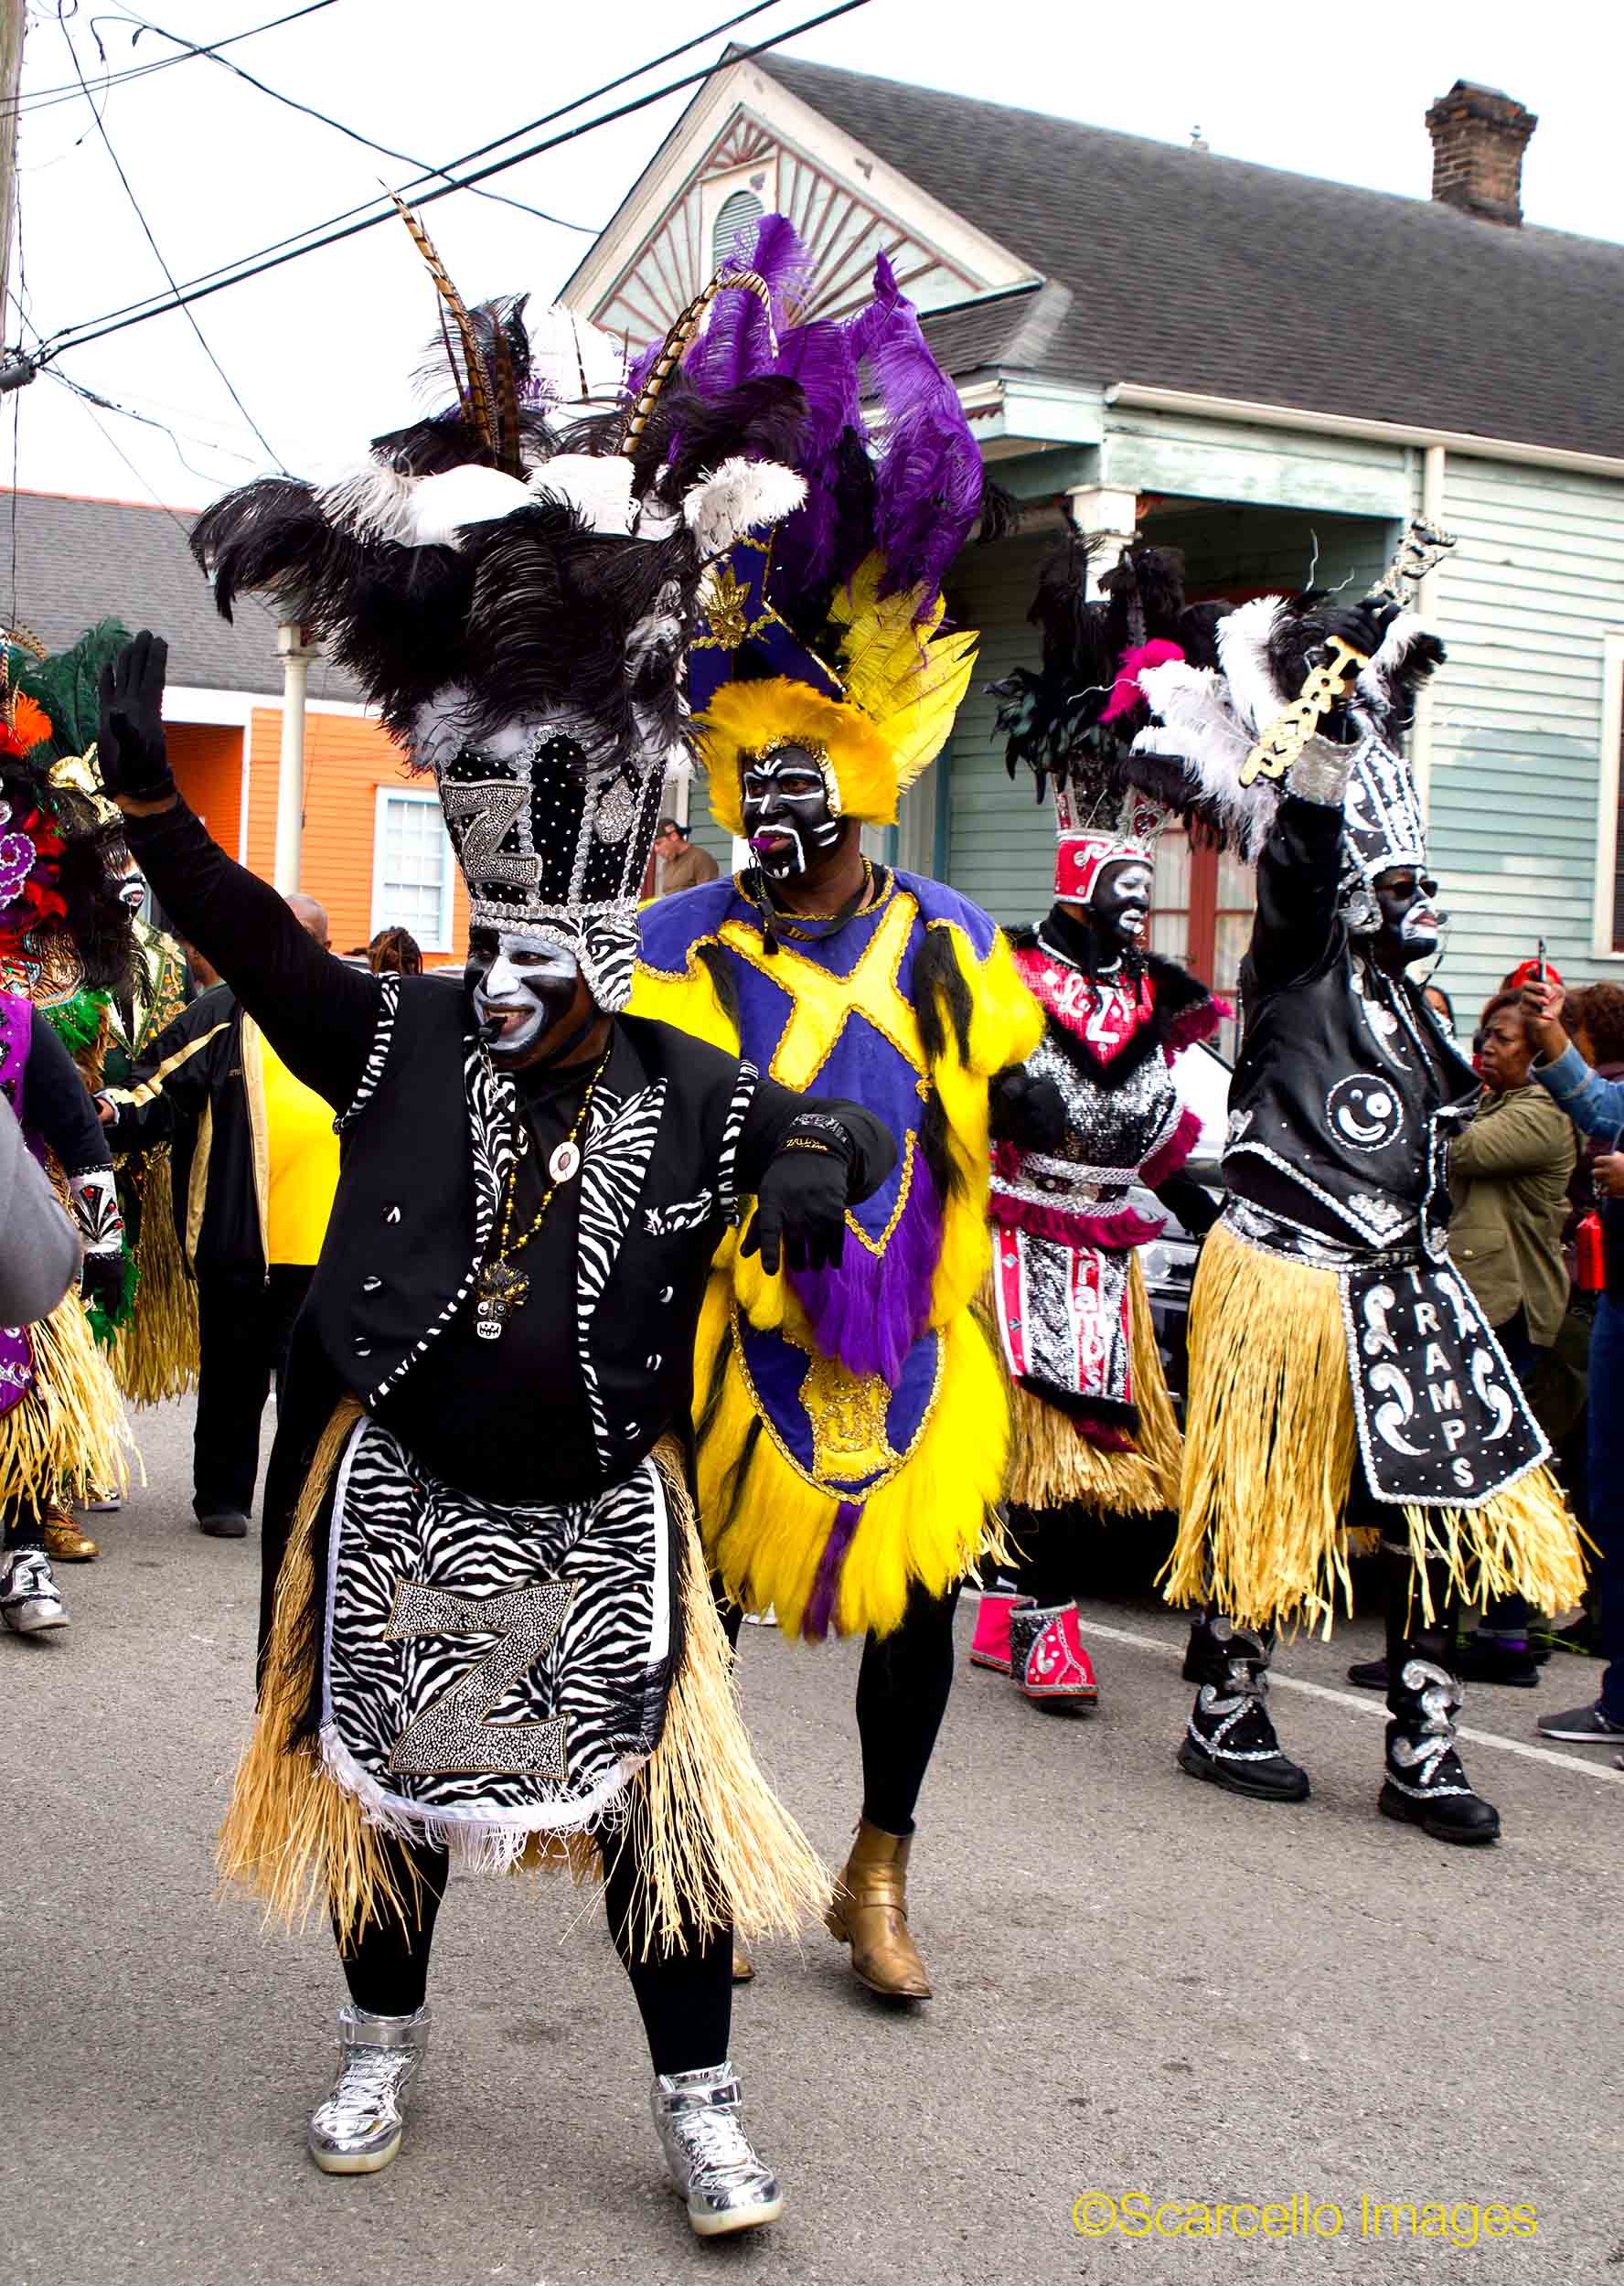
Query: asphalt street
(1143,1987)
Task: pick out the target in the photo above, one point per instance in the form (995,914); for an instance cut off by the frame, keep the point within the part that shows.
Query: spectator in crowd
(39,1249)
(1595,1104)
(1442,1006)
(395,952)
(1508,1178)
(681,864)
(256,1164)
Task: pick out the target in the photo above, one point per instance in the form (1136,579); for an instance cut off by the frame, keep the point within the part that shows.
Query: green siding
(1525,605)
(1000,842)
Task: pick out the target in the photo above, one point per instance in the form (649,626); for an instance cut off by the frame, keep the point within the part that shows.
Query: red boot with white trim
(1047,1660)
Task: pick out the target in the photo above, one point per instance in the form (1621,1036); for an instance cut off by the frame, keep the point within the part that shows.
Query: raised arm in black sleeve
(318,1013)
(59,1105)
(172,1083)
(1298,878)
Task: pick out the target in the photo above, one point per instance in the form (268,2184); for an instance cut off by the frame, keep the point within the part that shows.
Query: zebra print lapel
(491,1106)
(619,1144)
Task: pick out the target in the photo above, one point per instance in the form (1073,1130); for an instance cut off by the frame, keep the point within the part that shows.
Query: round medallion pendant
(563,1162)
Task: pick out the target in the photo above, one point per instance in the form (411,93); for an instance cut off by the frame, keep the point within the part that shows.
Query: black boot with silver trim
(1229,1740)
(709,2156)
(1425,1784)
(358,2130)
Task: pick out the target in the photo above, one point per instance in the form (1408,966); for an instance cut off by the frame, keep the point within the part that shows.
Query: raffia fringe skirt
(1053,1466)
(1269,1452)
(714,1844)
(68,1434)
(155,1356)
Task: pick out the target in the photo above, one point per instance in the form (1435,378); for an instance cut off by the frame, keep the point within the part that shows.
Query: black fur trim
(1105,1410)
(935,1148)
(940,996)
(1176,992)
(719,967)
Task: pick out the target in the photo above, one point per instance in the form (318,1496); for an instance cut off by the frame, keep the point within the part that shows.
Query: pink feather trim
(1125,1226)
(1125,693)
(1199,1022)
(1174,1152)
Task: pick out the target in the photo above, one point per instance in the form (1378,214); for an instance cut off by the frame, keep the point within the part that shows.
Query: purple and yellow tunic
(852,1424)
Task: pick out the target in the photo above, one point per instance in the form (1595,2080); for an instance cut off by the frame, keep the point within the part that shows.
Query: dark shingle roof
(1188,271)
(81,560)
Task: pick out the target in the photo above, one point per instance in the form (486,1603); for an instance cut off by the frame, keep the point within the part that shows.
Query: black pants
(902,1696)
(685,1998)
(25,1523)
(1046,1569)
(245,1323)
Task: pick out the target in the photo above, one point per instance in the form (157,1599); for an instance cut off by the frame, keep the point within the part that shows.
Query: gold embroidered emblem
(725,601)
(846,1411)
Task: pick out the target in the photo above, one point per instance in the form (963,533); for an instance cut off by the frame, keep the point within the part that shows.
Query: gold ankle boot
(870,1912)
(743,1967)
(64,1540)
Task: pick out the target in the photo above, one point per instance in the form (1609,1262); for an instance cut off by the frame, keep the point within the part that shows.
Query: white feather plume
(738,498)
(1242,653)
(1375,682)
(563,349)
(598,487)
(373,502)
(1197,724)
(442,505)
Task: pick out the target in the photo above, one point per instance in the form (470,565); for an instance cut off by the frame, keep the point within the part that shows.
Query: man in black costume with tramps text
(489,1633)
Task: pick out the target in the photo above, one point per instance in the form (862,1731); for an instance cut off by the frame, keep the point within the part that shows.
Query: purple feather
(930,472)
(818,1616)
(737,344)
(869,1313)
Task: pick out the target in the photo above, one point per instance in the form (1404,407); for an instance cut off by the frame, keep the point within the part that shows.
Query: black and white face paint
(132,888)
(790,818)
(1121,902)
(1412,920)
(521,986)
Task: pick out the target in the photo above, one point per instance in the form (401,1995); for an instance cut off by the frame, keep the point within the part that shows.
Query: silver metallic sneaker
(30,1602)
(358,2129)
(708,2154)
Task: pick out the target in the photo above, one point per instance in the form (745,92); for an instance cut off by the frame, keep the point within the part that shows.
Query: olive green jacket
(1508,1178)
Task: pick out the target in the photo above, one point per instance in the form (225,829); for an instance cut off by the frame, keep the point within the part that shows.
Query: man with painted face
(1092,1115)
(488,1633)
(852,1424)
(1342,1374)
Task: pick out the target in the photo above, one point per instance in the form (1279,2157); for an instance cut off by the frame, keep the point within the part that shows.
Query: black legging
(902,1696)
(685,1998)
(1046,1568)
(25,1523)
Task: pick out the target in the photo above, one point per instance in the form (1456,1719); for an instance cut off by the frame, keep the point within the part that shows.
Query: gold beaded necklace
(500,1289)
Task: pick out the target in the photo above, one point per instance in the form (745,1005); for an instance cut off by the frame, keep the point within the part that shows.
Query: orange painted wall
(347,759)
(207,760)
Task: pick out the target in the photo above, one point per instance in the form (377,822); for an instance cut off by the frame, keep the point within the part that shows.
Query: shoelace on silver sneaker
(367,2086)
(717,2147)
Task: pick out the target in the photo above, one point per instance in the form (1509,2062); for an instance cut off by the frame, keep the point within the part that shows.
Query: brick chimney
(1477,139)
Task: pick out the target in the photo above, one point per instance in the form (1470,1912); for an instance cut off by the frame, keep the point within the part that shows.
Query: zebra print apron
(491,1673)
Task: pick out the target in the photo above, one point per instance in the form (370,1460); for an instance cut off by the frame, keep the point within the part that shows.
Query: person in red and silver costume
(1092,1121)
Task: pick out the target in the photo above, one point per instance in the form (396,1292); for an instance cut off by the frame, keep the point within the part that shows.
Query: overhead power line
(62,7)
(253,266)
(47,98)
(325,119)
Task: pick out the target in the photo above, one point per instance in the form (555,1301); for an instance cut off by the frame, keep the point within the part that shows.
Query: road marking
(1368,1702)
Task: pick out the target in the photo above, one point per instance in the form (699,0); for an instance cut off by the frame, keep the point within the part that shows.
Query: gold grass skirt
(715,1846)
(155,1356)
(1270,1446)
(1051,1466)
(67,1434)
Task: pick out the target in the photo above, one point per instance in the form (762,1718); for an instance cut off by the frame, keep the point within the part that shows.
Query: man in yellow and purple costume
(851,1425)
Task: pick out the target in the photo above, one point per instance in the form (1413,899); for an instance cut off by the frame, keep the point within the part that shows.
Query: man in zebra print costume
(489,1634)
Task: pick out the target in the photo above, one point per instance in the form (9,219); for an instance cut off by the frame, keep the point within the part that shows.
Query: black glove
(1361,627)
(102,1282)
(129,742)
(800,1208)
(1028,1112)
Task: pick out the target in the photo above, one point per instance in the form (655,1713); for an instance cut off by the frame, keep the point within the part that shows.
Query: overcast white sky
(321,349)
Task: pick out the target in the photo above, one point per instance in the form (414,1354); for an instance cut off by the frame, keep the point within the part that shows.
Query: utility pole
(12,26)
(296,655)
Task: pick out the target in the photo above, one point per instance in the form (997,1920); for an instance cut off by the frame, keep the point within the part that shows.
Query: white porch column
(1109,512)
(296,656)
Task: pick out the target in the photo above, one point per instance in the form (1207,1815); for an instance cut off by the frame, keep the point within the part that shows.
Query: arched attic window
(733,233)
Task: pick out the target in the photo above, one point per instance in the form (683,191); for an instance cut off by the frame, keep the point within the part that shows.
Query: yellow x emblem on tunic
(823,1003)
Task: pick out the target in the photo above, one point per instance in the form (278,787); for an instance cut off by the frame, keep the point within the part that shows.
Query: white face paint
(132,889)
(521,986)
(789,819)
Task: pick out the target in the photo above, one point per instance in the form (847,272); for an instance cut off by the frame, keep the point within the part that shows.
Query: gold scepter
(1423,546)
